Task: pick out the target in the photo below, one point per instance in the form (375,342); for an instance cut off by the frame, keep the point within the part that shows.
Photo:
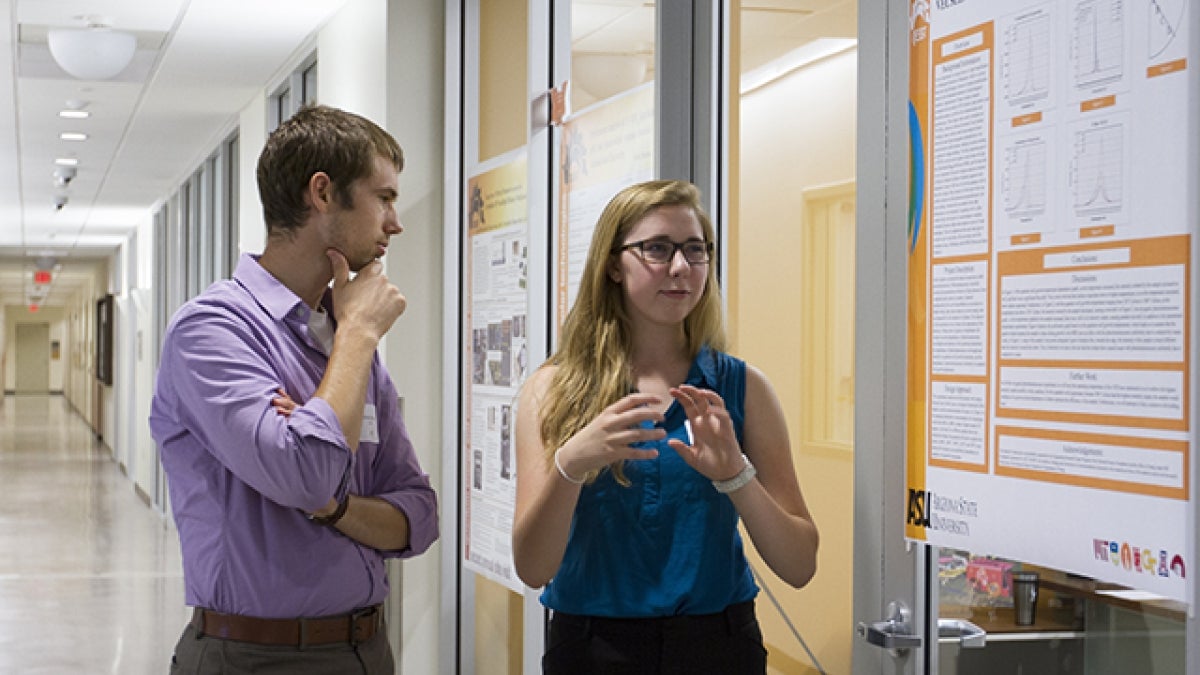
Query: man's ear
(320,191)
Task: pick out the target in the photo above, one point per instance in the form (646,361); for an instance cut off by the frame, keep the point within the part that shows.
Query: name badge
(370,427)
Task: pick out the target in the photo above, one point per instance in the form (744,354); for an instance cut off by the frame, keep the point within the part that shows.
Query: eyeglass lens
(663,250)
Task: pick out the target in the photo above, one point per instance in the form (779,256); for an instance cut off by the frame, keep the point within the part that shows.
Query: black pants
(207,655)
(725,643)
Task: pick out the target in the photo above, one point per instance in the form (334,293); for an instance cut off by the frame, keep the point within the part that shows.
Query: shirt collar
(278,300)
(703,372)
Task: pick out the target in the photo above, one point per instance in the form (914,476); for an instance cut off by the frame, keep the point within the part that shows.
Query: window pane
(612,49)
(309,84)
(792,209)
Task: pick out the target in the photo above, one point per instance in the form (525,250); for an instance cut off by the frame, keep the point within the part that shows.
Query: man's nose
(392,225)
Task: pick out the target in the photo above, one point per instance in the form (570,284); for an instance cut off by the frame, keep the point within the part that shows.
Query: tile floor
(90,577)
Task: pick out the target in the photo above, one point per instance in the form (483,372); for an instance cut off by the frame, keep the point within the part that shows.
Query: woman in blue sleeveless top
(640,446)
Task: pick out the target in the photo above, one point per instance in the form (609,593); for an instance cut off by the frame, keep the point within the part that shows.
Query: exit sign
(41,277)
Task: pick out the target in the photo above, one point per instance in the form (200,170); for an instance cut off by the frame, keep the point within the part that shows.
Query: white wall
(252,135)
(393,75)
(415,114)
(351,59)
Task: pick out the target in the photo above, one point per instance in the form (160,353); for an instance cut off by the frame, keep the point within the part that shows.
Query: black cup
(1025,593)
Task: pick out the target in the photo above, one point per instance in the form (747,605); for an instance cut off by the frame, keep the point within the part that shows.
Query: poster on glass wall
(495,359)
(1052,237)
(605,147)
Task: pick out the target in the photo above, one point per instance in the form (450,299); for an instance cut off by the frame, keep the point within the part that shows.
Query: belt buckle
(357,614)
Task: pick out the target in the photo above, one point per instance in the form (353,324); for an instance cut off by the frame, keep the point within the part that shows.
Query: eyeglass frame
(676,247)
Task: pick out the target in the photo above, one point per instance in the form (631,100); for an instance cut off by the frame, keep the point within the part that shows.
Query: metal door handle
(893,633)
(970,635)
(885,634)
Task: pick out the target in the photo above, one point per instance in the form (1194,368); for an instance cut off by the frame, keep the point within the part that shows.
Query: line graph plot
(1026,59)
(1165,18)
(1098,42)
(1025,178)
(1098,170)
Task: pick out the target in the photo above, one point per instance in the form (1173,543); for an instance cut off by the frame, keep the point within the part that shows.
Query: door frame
(885,567)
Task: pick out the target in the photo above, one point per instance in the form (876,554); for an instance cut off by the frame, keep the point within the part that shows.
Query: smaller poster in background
(496,359)
(604,148)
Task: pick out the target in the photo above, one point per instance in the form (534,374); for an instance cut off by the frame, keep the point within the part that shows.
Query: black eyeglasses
(662,251)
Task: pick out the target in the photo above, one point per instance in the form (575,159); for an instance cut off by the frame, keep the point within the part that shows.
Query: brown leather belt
(353,628)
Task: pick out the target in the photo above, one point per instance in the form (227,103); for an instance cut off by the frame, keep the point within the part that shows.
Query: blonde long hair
(592,359)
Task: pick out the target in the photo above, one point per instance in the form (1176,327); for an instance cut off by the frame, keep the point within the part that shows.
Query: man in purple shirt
(292,477)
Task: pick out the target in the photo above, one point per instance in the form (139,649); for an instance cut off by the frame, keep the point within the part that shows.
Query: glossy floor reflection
(90,577)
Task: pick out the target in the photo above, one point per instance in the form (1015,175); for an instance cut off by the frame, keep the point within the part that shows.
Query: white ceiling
(197,64)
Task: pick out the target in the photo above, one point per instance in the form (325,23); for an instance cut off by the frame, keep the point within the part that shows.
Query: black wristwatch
(331,519)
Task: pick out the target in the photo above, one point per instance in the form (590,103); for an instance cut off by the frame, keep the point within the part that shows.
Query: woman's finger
(687,400)
(637,435)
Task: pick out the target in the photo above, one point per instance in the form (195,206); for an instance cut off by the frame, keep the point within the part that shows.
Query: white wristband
(739,481)
(563,472)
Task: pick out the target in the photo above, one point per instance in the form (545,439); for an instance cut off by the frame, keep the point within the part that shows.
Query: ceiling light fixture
(73,136)
(67,161)
(74,114)
(94,53)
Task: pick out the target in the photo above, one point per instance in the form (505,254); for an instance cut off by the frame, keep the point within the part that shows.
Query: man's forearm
(374,522)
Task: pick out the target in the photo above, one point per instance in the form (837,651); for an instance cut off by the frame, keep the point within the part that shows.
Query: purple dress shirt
(243,477)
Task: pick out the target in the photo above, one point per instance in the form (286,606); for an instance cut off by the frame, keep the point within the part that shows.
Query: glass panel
(204,197)
(612,49)
(792,231)
(503,125)
(232,176)
(195,235)
(608,141)
(308,84)
(503,77)
(1041,620)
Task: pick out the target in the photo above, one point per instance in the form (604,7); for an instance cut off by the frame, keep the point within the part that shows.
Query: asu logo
(918,12)
(918,508)
(919,9)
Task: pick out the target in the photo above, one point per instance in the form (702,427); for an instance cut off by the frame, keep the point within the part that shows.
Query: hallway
(90,577)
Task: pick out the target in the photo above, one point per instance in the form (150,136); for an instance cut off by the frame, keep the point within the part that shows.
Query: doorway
(33,358)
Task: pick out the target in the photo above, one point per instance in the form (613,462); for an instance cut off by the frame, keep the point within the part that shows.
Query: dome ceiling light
(94,53)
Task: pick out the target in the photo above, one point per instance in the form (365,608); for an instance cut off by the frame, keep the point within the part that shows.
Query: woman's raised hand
(610,436)
(715,451)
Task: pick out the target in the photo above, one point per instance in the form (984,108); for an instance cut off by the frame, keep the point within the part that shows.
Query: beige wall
(503,76)
(15,314)
(795,134)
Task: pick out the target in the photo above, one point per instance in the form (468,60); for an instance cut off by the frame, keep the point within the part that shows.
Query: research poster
(605,148)
(1052,228)
(496,358)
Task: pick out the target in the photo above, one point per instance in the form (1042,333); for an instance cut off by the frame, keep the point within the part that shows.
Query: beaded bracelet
(739,481)
(563,472)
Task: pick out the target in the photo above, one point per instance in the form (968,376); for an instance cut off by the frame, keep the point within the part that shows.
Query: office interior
(789,114)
